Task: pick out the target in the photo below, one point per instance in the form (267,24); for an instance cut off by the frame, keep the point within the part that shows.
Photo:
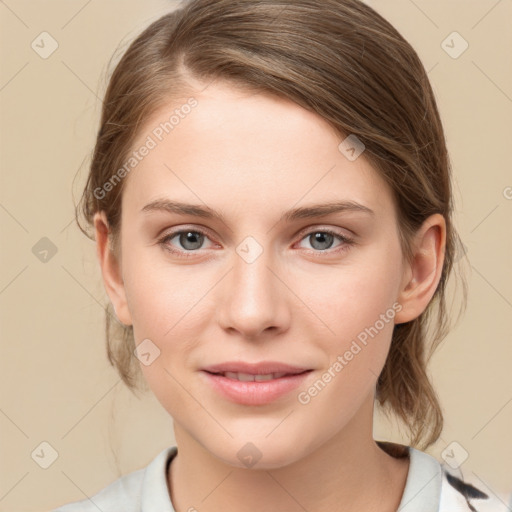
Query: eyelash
(347,242)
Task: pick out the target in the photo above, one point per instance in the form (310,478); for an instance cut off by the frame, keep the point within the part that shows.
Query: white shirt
(427,489)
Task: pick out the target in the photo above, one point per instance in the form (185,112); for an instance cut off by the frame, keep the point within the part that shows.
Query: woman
(271,201)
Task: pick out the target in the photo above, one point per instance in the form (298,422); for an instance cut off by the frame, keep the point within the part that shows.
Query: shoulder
(129,492)
(125,493)
(435,486)
(459,494)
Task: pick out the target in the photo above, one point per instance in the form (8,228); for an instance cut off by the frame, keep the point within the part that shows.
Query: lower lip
(255,393)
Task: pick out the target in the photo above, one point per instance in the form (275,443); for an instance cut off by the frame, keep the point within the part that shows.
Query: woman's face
(261,283)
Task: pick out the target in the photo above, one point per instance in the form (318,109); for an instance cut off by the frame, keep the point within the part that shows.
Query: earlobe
(110,269)
(421,276)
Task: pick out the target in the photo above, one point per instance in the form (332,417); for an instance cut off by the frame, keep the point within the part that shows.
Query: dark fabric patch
(467,490)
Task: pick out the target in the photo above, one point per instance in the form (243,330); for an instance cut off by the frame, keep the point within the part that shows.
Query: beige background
(56,383)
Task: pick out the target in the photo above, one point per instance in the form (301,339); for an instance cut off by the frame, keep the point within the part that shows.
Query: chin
(259,454)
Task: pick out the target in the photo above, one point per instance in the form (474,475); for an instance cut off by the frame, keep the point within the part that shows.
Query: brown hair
(339,59)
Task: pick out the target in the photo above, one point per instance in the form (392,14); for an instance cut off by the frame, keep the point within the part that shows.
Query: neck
(350,472)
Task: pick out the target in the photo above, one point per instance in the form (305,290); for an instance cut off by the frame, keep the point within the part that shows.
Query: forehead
(224,143)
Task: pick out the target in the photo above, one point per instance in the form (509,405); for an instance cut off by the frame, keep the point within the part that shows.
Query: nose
(253,299)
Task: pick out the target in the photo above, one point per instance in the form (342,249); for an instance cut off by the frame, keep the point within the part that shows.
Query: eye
(189,239)
(321,240)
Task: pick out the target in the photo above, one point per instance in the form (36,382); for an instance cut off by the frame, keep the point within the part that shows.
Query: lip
(254,392)
(261,368)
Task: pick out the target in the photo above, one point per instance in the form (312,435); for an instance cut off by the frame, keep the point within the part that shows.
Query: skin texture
(253,157)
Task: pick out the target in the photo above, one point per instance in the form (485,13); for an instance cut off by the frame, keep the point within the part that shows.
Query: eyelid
(175,230)
(336,230)
(303,232)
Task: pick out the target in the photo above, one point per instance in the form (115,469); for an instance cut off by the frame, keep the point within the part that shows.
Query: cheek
(160,295)
(169,306)
(348,299)
(354,311)
(360,317)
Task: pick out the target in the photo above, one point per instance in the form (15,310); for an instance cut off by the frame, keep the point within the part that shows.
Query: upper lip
(261,368)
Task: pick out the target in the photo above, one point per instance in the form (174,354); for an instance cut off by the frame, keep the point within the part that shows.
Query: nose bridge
(253,295)
(252,279)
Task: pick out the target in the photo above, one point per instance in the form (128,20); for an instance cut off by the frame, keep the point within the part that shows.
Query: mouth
(256,377)
(276,369)
(254,389)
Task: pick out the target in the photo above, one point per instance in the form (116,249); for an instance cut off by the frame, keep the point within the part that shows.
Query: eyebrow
(303,212)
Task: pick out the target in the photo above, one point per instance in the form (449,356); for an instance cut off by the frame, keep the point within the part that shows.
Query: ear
(422,275)
(111,269)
